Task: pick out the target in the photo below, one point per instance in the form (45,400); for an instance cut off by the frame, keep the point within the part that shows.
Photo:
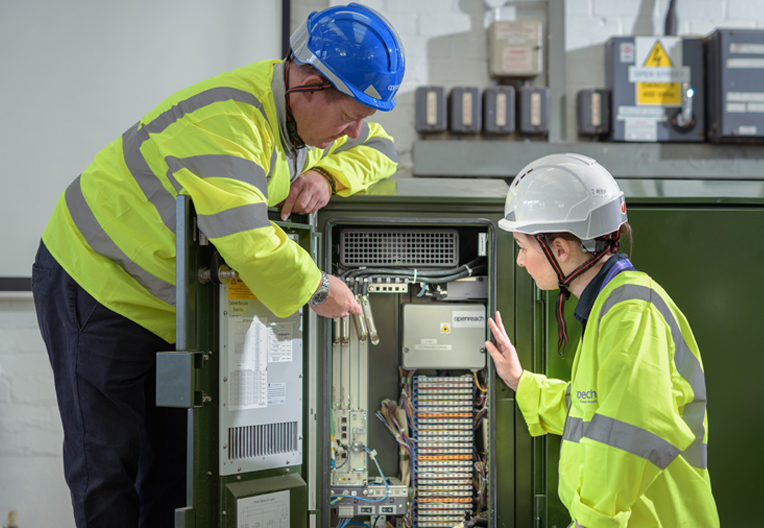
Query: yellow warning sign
(238,290)
(658,58)
(445,328)
(655,93)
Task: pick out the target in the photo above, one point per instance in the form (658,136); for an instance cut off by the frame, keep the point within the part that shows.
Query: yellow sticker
(660,94)
(445,328)
(658,58)
(663,94)
(238,290)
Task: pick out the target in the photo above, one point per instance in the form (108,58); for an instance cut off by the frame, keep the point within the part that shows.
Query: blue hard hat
(356,49)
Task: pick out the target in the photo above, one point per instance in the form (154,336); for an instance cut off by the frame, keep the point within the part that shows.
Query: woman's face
(531,257)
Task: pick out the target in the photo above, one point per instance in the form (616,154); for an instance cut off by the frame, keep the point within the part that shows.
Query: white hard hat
(564,193)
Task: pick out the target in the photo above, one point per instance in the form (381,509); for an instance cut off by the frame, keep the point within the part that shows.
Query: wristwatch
(322,293)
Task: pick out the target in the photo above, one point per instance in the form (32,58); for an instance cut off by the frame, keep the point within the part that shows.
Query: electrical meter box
(533,110)
(465,110)
(515,48)
(430,109)
(499,110)
(593,112)
(657,88)
(735,63)
(444,336)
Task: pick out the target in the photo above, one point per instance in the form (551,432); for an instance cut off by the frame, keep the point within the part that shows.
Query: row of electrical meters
(398,417)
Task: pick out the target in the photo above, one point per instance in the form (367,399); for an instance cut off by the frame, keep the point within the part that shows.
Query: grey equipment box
(735,65)
(465,110)
(533,110)
(430,102)
(657,88)
(444,335)
(593,107)
(499,110)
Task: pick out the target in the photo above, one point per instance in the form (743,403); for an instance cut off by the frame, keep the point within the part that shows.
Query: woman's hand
(504,354)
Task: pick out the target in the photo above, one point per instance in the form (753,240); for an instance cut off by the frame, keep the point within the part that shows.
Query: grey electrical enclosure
(533,110)
(593,110)
(657,88)
(430,108)
(735,65)
(499,110)
(444,336)
(465,110)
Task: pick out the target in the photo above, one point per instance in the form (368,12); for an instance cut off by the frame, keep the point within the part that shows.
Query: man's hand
(504,354)
(309,193)
(340,303)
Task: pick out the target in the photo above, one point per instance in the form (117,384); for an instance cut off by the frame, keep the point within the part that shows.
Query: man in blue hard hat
(289,132)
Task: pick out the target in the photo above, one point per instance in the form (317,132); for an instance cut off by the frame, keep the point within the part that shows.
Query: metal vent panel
(434,248)
(262,440)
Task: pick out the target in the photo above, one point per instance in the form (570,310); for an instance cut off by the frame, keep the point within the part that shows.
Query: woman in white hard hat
(633,417)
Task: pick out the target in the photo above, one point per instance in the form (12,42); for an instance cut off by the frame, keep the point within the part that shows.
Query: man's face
(320,122)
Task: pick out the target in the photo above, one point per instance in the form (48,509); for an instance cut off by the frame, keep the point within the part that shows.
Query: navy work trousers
(124,457)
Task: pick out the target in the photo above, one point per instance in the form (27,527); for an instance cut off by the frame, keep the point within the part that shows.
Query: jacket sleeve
(542,402)
(227,182)
(360,162)
(636,431)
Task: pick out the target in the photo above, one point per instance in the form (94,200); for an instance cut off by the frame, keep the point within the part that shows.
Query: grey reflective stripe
(95,236)
(152,188)
(383,145)
(687,364)
(621,435)
(632,439)
(236,220)
(220,166)
(200,100)
(574,429)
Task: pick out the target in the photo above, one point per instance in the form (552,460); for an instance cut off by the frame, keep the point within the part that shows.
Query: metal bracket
(176,379)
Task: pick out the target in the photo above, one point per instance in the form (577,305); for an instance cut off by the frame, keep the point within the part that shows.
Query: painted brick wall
(31,466)
(445,44)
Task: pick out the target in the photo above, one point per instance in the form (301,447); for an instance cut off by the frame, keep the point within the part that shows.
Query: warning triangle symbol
(445,329)
(658,58)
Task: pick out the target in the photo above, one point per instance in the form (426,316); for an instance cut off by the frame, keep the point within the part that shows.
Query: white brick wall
(31,466)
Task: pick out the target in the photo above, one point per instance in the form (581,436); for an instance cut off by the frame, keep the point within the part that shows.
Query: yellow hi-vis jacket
(224,143)
(633,418)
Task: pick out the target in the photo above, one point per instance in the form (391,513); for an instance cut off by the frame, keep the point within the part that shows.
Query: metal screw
(225,446)
(287,469)
(209,473)
(207,398)
(225,312)
(225,379)
(225,512)
(287,461)
(406,350)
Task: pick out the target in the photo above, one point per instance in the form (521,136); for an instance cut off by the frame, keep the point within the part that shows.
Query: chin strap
(612,241)
(290,122)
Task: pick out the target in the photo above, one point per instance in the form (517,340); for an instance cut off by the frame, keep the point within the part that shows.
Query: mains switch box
(657,88)
(735,65)
(444,336)
(515,48)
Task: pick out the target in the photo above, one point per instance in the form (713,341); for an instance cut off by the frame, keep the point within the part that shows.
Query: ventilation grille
(262,440)
(437,248)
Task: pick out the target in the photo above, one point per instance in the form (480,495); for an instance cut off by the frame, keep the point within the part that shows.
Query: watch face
(319,297)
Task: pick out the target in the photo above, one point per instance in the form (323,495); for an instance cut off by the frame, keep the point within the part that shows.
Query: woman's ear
(561,247)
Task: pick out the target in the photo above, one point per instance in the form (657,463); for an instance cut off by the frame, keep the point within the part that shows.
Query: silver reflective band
(219,166)
(686,363)
(101,243)
(152,188)
(236,220)
(623,436)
